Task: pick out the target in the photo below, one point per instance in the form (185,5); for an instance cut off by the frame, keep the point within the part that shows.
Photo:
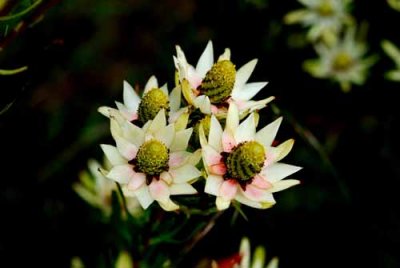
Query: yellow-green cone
(151,104)
(152,158)
(342,61)
(219,81)
(245,161)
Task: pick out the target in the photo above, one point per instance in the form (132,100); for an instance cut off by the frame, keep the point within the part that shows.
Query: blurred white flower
(258,258)
(343,62)
(325,18)
(242,164)
(97,190)
(151,162)
(394,53)
(211,86)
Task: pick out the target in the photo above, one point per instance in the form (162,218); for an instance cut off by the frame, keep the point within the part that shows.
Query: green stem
(23,12)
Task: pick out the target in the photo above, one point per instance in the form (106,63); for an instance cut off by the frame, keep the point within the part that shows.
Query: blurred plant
(395,4)
(343,62)
(97,190)
(124,260)
(325,18)
(244,258)
(394,53)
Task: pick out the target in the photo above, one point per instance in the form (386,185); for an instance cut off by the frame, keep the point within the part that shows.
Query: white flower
(151,163)
(96,189)
(242,164)
(130,108)
(324,17)
(239,91)
(343,62)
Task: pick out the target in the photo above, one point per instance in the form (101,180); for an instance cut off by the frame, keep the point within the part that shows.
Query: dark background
(345,212)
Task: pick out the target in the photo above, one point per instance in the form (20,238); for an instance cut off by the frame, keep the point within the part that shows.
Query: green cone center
(219,81)
(245,161)
(325,9)
(342,61)
(151,104)
(152,158)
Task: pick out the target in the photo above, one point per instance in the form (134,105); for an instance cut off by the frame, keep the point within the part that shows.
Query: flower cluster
(340,48)
(204,130)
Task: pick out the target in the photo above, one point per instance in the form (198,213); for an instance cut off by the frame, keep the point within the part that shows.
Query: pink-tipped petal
(261,182)
(254,193)
(178,158)
(217,169)
(122,173)
(137,180)
(210,156)
(228,189)
(159,190)
(228,142)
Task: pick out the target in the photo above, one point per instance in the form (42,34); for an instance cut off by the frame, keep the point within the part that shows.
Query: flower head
(343,62)
(151,162)
(324,17)
(242,164)
(211,86)
(154,99)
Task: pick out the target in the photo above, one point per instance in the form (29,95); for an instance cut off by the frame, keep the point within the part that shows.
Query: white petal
(129,115)
(159,190)
(136,181)
(226,55)
(158,122)
(246,130)
(247,91)
(144,197)
(215,134)
(177,159)
(282,150)
(181,140)
(232,119)
(106,111)
(113,155)
(278,171)
(222,204)
(122,173)
(206,60)
(184,173)
(164,89)
(244,200)
(131,99)
(282,185)
(244,73)
(175,99)
(267,135)
(168,205)
(166,135)
(203,103)
(182,188)
(151,83)
(213,183)
(133,133)
(126,149)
